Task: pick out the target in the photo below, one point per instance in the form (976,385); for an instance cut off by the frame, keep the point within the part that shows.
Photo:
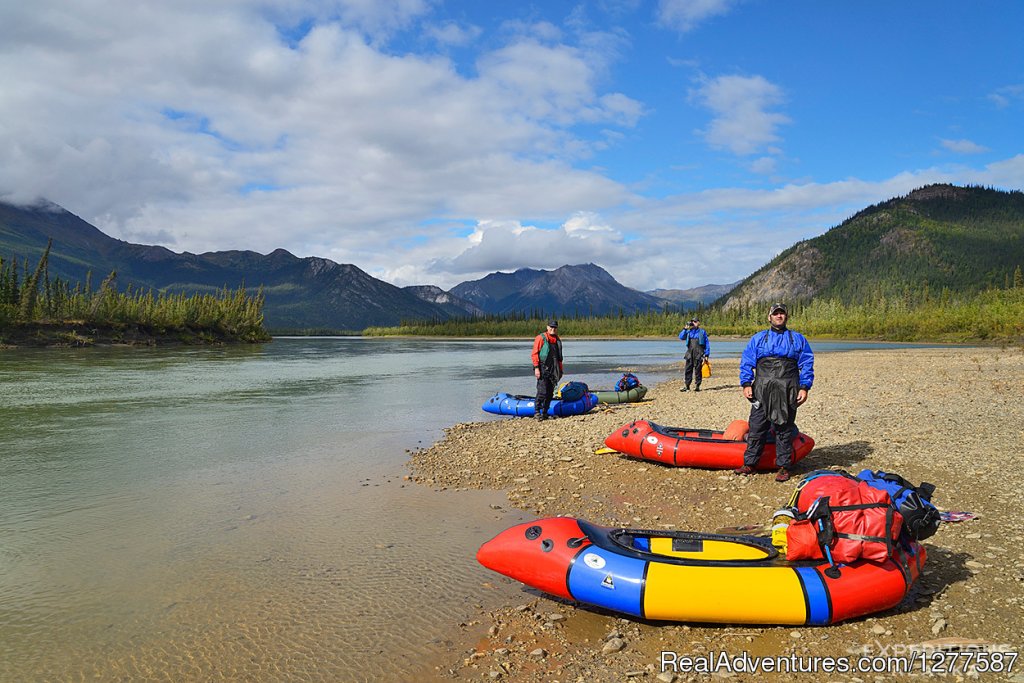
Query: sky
(675,143)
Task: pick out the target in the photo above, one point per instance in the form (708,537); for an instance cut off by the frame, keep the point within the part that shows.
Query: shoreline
(949,415)
(83,335)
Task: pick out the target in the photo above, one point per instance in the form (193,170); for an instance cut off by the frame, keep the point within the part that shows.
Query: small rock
(795,634)
(878,629)
(666,677)
(556,617)
(539,653)
(938,626)
(613,645)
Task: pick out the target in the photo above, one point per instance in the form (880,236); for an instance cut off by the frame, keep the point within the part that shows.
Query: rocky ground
(953,417)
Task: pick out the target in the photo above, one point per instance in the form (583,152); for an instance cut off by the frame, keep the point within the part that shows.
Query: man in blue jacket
(776,372)
(698,347)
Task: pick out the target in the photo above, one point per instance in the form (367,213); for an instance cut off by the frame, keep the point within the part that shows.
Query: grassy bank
(992,316)
(37,311)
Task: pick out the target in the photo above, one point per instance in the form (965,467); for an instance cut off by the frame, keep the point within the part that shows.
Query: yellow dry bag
(705,368)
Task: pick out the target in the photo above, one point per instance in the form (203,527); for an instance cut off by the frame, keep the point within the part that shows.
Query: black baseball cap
(552,323)
(778,307)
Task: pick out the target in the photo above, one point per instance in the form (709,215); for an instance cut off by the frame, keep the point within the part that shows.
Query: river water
(241,513)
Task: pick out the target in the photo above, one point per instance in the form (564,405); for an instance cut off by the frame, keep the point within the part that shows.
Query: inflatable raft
(523,406)
(629,396)
(687,447)
(695,577)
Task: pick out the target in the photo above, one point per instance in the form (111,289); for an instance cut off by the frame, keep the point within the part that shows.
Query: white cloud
(742,121)
(509,245)
(197,121)
(763,165)
(1006,96)
(963,146)
(450,33)
(295,124)
(684,15)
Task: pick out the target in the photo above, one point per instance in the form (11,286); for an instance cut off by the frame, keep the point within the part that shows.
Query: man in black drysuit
(776,372)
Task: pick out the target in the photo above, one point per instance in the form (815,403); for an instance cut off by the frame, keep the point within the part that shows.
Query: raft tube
(629,396)
(694,577)
(523,406)
(689,447)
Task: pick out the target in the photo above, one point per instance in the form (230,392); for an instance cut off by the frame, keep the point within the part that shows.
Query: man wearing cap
(776,372)
(697,348)
(547,367)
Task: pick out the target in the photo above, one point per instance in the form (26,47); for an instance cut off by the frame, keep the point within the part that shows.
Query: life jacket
(572,391)
(841,518)
(920,516)
(550,355)
(628,381)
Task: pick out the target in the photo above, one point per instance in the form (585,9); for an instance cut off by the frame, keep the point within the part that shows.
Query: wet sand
(950,416)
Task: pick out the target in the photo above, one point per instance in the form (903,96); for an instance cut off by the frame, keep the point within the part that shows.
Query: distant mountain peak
(583,289)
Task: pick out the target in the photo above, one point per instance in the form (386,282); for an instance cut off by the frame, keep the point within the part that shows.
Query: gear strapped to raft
(920,516)
(571,391)
(840,518)
(627,382)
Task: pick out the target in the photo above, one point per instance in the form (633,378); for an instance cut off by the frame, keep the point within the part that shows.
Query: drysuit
(776,363)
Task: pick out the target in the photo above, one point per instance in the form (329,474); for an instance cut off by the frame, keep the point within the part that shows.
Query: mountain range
(311,292)
(937,238)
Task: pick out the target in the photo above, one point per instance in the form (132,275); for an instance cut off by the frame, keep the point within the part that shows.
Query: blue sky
(676,143)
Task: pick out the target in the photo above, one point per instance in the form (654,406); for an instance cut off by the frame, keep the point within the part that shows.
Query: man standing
(547,367)
(776,372)
(698,347)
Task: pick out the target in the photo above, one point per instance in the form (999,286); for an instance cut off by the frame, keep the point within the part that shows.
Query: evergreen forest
(37,309)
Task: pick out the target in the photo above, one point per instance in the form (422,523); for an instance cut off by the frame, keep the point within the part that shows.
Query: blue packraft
(628,381)
(920,516)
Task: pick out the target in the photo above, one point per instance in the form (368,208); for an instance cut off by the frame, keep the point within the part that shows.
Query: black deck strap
(859,506)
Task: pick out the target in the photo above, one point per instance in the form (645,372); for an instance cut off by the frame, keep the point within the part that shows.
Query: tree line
(993,315)
(28,296)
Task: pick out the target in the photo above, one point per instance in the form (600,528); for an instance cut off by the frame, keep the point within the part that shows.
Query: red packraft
(843,519)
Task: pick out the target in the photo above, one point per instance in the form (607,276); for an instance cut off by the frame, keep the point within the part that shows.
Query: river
(240,512)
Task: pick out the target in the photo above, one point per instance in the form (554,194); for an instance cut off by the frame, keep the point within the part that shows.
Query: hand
(801,397)
(536,373)
(748,393)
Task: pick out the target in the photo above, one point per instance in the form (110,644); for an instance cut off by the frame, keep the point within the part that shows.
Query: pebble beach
(953,417)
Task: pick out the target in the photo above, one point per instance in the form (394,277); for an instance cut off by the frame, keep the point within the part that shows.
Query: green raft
(629,396)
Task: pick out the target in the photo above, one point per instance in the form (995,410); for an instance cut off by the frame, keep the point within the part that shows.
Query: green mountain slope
(961,239)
